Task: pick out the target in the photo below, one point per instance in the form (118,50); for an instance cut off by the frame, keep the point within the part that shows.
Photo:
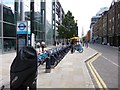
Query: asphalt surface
(107,65)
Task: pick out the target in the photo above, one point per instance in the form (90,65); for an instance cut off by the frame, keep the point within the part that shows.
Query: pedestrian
(57,43)
(38,46)
(86,43)
(67,42)
(6,46)
(72,46)
(43,45)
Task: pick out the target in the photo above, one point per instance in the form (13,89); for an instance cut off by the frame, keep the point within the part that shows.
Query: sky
(84,10)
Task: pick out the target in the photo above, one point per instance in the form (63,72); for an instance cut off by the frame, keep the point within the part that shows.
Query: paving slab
(71,72)
(5,62)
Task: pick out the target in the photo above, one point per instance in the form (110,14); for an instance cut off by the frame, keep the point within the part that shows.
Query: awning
(75,38)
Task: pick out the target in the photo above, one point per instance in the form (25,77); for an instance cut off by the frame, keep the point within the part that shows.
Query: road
(107,65)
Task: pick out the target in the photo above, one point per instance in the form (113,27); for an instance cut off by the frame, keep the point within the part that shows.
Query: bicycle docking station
(52,57)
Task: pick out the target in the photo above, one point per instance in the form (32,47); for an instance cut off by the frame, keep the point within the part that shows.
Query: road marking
(107,59)
(100,82)
(99,77)
(110,61)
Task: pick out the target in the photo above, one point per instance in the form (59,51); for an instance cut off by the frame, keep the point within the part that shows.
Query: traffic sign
(22,27)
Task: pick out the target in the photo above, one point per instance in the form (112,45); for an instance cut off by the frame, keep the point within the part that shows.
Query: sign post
(22,34)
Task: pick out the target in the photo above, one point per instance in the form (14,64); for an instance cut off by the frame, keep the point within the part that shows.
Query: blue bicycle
(42,58)
(79,48)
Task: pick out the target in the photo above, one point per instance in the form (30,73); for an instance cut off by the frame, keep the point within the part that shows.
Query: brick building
(100,30)
(111,25)
(107,29)
(96,32)
(117,33)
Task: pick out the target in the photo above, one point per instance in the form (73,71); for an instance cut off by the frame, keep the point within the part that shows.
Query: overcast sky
(83,10)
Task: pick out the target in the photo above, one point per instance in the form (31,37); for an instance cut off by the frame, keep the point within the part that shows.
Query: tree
(68,26)
(83,38)
(61,31)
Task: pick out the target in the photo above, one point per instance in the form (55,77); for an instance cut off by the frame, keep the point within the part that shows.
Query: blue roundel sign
(22,27)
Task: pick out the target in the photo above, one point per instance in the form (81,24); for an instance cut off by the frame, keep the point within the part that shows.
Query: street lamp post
(32,36)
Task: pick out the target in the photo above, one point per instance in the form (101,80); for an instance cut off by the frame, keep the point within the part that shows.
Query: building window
(9,30)
(118,16)
(109,20)
(53,27)
(0,44)
(0,28)
(118,25)
(53,12)
(5,10)
(0,13)
(9,44)
(113,19)
(53,5)
(53,22)
(113,29)
(109,29)
(42,0)
(10,16)
(113,10)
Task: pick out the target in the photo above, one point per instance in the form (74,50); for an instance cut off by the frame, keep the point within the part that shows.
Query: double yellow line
(101,84)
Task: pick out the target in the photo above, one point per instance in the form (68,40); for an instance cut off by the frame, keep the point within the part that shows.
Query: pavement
(71,72)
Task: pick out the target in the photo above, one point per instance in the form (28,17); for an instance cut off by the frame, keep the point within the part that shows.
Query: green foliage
(67,29)
(83,38)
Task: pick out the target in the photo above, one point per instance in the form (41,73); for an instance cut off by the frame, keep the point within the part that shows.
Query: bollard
(48,65)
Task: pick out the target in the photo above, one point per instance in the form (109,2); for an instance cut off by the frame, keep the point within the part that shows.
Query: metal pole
(31,19)
(2,27)
(22,10)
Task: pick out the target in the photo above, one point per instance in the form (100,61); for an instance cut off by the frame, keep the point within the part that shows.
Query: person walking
(43,45)
(86,43)
(72,46)
(38,46)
